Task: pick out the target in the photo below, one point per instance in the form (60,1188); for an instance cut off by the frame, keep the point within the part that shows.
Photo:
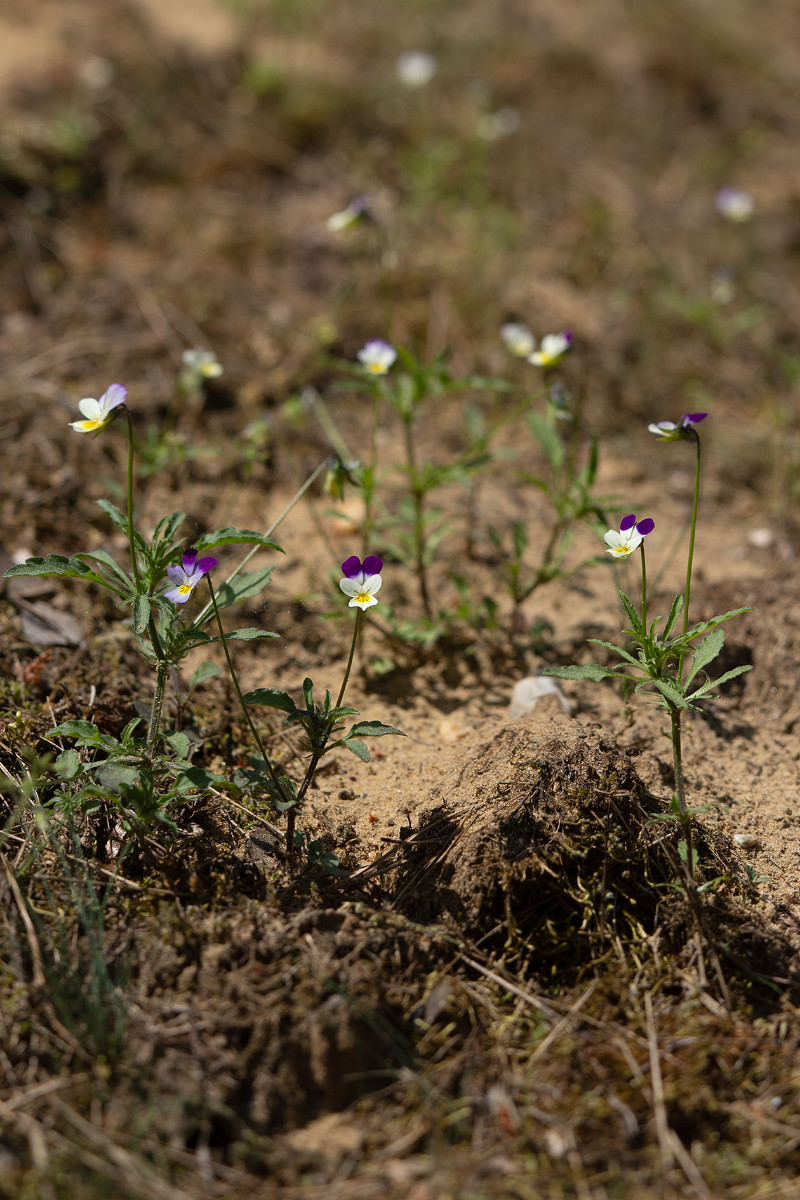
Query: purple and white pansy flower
(187,576)
(629,538)
(99,413)
(677,431)
(362,580)
(377,357)
(552,349)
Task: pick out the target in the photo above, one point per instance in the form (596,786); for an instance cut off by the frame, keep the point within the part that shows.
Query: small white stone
(529,691)
(748,841)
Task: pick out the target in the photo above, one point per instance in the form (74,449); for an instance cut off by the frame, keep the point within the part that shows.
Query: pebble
(529,691)
(748,841)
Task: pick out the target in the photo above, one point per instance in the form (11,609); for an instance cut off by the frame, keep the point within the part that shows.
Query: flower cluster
(519,340)
(677,431)
(362,580)
(99,413)
(187,576)
(630,536)
(377,357)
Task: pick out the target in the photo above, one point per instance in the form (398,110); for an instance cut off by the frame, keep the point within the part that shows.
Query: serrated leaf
(114,568)
(715,621)
(714,683)
(706,652)
(141,613)
(591,671)
(179,743)
(248,584)
(671,693)
(674,612)
(357,748)
(230,537)
(372,729)
(251,634)
(56,564)
(272,698)
(632,614)
(617,650)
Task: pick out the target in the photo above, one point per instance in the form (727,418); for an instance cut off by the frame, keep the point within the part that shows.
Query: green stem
(206,610)
(319,749)
(644,590)
(418,498)
(162,671)
(240,697)
(687,592)
(677,763)
(368,486)
(134,564)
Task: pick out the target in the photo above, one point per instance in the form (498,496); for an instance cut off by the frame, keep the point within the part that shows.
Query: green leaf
(548,439)
(179,743)
(272,698)
(120,519)
(308,693)
(632,614)
(714,683)
(591,671)
(371,729)
(141,613)
(712,624)
(114,569)
(671,693)
(230,536)
(674,613)
(248,584)
(204,672)
(618,650)
(56,564)
(706,652)
(68,765)
(245,635)
(357,748)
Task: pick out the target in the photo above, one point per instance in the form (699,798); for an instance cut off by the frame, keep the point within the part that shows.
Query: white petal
(371,584)
(90,409)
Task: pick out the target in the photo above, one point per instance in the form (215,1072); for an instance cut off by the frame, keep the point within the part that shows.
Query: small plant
(658,661)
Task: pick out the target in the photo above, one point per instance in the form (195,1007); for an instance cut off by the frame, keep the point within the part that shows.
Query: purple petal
(646,526)
(189,559)
(627,523)
(206,564)
(693,418)
(176,574)
(372,564)
(351,567)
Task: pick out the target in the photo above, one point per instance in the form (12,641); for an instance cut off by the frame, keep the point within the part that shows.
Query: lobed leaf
(706,652)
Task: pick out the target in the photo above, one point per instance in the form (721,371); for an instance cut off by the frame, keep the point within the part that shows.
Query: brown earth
(502,994)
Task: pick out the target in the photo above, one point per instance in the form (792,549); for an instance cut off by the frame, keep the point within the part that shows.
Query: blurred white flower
(377,357)
(500,124)
(735,205)
(202,364)
(357,210)
(416,68)
(552,349)
(517,338)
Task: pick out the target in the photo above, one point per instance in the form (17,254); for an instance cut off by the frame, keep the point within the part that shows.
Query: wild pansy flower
(377,357)
(552,349)
(734,204)
(201,363)
(99,413)
(358,210)
(362,580)
(677,431)
(416,68)
(187,576)
(629,538)
(517,338)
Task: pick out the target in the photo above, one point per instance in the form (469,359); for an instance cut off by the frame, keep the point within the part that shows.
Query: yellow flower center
(363,598)
(185,589)
(376,368)
(621,551)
